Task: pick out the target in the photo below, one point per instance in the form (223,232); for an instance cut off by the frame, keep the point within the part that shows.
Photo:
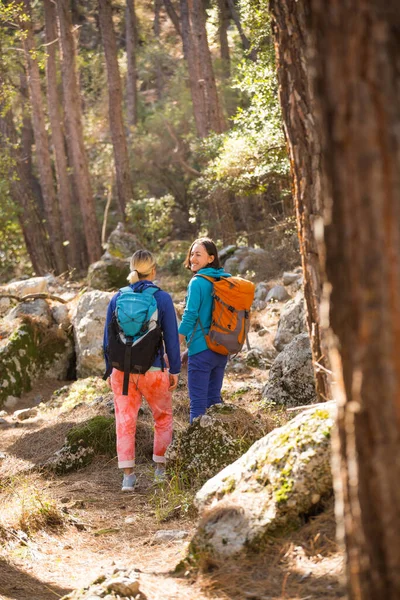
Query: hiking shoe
(129,482)
(160,473)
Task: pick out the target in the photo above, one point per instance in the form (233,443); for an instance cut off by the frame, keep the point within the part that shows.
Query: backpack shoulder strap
(211,279)
(127,288)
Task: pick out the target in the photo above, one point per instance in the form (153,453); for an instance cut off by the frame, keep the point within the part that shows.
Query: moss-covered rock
(93,437)
(212,441)
(283,477)
(83,391)
(33,349)
(109,273)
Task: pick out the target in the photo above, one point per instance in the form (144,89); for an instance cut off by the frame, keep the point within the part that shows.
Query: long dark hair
(211,250)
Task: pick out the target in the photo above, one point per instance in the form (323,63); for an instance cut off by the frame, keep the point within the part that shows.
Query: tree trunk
(171,12)
(214,116)
(157,30)
(57,135)
(131,49)
(72,109)
(196,89)
(31,221)
(121,159)
(223,24)
(356,51)
(236,18)
(51,207)
(296,97)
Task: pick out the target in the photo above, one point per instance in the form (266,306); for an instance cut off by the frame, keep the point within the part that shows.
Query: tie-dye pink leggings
(153,385)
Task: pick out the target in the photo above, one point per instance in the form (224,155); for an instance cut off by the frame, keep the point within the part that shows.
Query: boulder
(121,243)
(121,583)
(108,273)
(292,321)
(278,293)
(36,308)
(88,321)
(291,378)
(282,478)
(212,441)
(246,259)
(32,350)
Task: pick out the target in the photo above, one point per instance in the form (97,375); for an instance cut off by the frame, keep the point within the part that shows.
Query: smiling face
(199,258)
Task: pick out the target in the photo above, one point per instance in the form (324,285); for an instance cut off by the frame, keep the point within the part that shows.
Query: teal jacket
(199,306)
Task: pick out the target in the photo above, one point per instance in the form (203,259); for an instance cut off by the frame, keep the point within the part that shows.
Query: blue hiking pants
(205,376)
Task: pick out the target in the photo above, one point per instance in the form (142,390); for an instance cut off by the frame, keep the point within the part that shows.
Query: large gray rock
(270,489)
(88,321)
(33,349)
(291,378)
(108,273)
(121,243)
(122,583)
(292,321)
(246,259)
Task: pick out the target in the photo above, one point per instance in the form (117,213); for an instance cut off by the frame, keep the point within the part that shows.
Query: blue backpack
(134,333)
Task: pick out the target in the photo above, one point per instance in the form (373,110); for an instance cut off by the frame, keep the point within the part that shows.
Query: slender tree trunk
(196,88)
(289,27)
(223,24)
(157,30)
(29,216)
(121,159)
(72,109)
(27,141)
(215,119)
(131,50)
(171,12)
(57,134)
(236,18)
(355,47)
(42,149)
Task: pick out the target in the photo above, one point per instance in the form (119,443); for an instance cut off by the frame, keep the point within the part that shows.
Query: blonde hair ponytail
(142,264)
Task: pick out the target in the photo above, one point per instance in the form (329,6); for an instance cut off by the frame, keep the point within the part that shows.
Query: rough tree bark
(131,33)
(214,115)
(296,97)
(121,159)
(72,109)
(223,24)
(354,50)
(51,207)
(57,136)
(29,216)
(171,12)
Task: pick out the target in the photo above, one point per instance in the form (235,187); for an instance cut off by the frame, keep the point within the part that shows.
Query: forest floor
(104,528)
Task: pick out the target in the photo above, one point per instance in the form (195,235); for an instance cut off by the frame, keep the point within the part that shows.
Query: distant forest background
(161,114)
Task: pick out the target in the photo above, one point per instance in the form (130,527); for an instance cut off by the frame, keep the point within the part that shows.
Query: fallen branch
(43,295)
(310,406)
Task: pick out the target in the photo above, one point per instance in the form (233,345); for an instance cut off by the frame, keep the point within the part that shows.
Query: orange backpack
(230,318)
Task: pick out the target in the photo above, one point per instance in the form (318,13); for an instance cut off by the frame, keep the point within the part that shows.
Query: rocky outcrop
(291,378)
(212,441)
(35,347)
(121,583)
(108,273)
(281,479)
(246,259)
(292,322)
(88,321)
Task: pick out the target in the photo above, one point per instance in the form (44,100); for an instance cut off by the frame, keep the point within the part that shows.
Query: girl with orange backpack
(206,367)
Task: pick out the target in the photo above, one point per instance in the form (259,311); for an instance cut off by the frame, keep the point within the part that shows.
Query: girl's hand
(184,357)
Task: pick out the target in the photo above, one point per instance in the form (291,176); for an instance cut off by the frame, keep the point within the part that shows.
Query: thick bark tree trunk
(196,91)
(31,221)
(51,207)
(131,49)
(354,51)
(223,24)
(72,110)
(57,135)
(214,116)
(355,47)
(289,27)
(121,159)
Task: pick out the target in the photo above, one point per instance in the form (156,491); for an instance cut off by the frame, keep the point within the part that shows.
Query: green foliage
(97,433)
(154,216)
